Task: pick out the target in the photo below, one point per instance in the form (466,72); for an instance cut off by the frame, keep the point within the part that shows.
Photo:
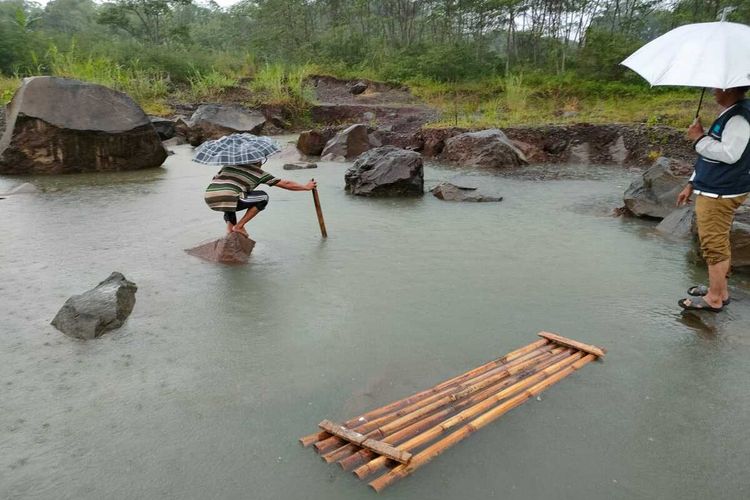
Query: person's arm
(733,142)
(294,186)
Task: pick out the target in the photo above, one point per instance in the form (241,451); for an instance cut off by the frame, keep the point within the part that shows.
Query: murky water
(205,390)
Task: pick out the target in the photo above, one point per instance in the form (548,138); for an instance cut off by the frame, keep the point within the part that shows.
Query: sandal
(701,290)
(698,304)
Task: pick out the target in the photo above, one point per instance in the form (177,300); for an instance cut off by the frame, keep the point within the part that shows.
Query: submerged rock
(348,144)
(25,188)
(299,165)
(59,125)
(386,171)
(655,193)
(231,249)
(98,310)
(486,148)
(450,192)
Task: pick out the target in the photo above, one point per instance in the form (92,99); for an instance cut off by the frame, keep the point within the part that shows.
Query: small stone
(300,165)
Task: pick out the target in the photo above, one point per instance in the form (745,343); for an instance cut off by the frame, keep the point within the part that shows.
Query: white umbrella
(714,55)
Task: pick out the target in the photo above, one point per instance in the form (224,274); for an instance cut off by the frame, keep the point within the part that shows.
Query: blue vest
(719,177)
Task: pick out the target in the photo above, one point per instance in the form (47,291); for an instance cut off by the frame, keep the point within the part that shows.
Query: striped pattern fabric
(235,149)
(233,182)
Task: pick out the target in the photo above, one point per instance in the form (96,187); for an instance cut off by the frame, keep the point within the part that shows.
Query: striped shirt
(231,183)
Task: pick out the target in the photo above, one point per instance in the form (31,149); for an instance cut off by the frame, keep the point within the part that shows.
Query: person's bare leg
(230,226)
(718,289)
(240,226)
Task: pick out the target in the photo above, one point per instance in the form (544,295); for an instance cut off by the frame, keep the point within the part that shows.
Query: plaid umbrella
(235,149)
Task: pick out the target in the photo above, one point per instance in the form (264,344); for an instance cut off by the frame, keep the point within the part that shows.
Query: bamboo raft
(389,443)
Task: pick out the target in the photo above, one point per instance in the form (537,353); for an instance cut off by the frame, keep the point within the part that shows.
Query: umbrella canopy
(235,149)
(714,55)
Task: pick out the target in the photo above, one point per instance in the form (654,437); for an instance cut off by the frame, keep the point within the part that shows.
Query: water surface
(205,390)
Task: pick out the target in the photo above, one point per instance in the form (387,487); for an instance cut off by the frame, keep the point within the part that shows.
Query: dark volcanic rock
(164,127)
(300,165)
(348,144)
(312,142)
(358,88)
(486,148)
(58,125)
(212,121)
(655,193)
(386,171)
(450,192)
(232,249)
(98,310)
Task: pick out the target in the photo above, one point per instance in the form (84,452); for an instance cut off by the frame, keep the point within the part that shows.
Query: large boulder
(386,171)
(486,148)
(312,142)
(58,125)
(348,144)
(98,310)
(232,249)
(447,191)
(654,194)
(212,121)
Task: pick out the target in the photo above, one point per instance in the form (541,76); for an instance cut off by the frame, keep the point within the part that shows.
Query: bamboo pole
(400,418)
(319,436)
(365,427)
(319,211)
(357,458)
(427,436)
(439,447)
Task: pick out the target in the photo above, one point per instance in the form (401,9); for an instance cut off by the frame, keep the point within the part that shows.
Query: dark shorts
(253,199)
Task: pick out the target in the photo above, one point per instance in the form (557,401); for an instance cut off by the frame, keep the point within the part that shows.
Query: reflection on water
(203,393)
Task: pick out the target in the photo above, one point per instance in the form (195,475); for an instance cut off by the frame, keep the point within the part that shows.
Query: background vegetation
(483,62)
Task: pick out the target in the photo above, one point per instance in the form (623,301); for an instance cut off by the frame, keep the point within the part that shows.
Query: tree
(147,20)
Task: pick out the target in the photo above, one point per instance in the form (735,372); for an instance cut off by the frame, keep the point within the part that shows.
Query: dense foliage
(172,44)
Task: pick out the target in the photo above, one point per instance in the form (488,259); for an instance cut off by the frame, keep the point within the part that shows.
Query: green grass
(8,86)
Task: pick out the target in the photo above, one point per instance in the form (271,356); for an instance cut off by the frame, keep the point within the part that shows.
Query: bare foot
(241,230)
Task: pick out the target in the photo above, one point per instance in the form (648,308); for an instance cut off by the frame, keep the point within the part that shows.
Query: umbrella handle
(700,103)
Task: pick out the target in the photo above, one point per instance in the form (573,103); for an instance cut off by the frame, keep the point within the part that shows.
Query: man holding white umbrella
(709,55)
(721,182)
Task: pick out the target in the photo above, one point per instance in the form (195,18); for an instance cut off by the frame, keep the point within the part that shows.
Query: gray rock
(59,125)
(450,192)
(617,150)
(680,223)
(386,171)
(486,148)
(164,127)
(25,188)
(655,193)
(300,165)
(580,153)
(98,310)
(368,116)
(740,238)
(312,142)
(212,121)
(358,88)
(347,144)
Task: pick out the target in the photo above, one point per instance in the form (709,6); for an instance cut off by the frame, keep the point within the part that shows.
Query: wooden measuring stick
(319,211)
